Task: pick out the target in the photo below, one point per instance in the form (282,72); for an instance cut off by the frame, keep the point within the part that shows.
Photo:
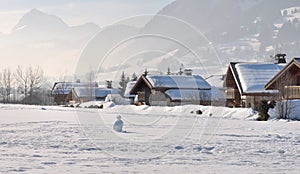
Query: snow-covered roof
(189,94)
(297,59)
(95,92)
(66,87)
(129,86)
(254,76)
(181,82)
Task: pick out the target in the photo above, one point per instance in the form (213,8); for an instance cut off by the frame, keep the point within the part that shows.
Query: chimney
(279,58)
(188,72)
(109,84)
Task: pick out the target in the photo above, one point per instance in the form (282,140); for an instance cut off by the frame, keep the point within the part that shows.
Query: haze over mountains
(239,29)
(45,40)
(231,30)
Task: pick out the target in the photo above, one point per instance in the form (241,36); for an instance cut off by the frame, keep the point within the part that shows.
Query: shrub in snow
(199,112)
(96,106)
(263,109)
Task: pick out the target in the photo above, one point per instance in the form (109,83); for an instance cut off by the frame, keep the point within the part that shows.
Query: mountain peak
(35,12)
(38,20)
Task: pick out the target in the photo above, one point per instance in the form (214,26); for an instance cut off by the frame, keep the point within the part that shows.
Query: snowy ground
(37,139)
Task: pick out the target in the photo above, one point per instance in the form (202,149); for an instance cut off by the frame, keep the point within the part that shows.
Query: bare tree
(22,77)
(45,92)
(36,77)
(91,77)
(6,82)
(65,77)
(29,79)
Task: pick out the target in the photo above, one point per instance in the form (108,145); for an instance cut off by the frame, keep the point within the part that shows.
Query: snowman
(118,125)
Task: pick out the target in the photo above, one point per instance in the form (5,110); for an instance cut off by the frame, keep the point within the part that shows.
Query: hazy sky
(75,12)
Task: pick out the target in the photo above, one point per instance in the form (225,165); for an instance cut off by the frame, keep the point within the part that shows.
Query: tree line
(28,85)
(124,80)
(23,85)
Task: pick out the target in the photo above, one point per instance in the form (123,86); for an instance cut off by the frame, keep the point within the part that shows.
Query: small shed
(171,90)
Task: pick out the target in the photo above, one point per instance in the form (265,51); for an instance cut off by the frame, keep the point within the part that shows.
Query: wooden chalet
(287,81)
(60,90)
(244,83)
(171,90)
(85,94)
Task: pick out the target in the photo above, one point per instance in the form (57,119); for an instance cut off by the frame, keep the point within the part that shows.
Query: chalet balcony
(292,92)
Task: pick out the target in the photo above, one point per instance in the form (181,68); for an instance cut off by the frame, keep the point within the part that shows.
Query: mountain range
(238,29)
(206,35)
(189,33)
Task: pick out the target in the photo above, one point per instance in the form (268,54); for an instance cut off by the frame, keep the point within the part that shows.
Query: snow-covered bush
(292,112)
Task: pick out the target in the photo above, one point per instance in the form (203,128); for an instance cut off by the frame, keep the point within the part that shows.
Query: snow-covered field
(52,139)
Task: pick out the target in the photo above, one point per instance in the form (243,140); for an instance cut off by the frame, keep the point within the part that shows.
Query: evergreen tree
(127,80)
(295,11)
(181,70)
(169,71)
(285,13)
(123,83)
(134,77)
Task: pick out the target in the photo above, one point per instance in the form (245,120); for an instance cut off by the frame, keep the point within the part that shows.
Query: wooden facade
(60,92)
(73,96)
(142,89)
(60,99)
(233,95)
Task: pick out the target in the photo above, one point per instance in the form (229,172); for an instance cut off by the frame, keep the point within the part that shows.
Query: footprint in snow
(198,149)
(179,147)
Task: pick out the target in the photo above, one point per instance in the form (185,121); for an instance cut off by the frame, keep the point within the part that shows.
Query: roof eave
(142,78)
(235,76)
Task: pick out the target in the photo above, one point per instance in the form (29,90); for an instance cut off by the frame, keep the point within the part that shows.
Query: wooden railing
(292,92)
